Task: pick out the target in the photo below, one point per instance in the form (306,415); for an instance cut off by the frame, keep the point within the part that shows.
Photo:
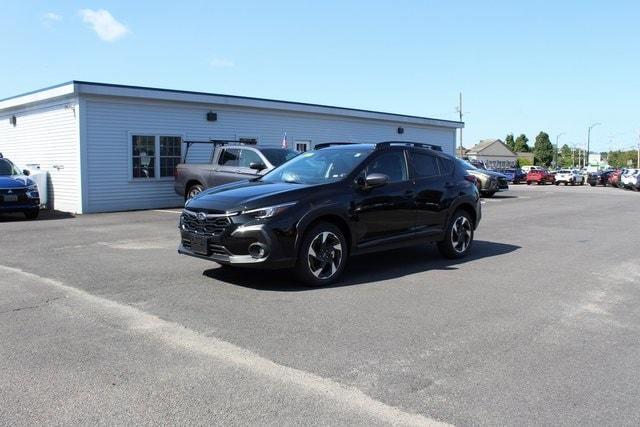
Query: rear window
(446,166)
(424,165)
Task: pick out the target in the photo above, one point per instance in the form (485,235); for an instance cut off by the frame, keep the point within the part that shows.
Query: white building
(494,153)
(91,136)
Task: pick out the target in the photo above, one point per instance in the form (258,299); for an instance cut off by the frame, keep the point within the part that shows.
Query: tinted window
(7,168)
(229,157)
(391,164)
(247,157)
(446,166)
(424,165)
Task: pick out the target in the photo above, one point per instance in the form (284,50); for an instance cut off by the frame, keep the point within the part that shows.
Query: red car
(540,177)
(614,178)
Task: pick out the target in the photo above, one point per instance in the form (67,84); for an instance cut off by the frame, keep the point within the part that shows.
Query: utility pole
(589,142)
(638,161)
(573,156)
(460,113)
(555,151)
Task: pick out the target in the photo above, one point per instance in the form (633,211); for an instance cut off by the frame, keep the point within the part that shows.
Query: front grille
(213,248)
(211,226)
(503,183)
(20,192)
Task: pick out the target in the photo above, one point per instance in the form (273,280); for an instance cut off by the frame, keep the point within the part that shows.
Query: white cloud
(221,63)
(104,24)
(50,18)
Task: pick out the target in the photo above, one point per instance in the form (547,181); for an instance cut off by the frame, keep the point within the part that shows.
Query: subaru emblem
(202,216)
(10,192)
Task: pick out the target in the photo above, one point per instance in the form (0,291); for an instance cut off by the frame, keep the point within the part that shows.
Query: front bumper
(230,246)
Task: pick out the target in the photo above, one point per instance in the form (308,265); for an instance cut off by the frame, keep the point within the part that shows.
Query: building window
(302,146)
(144,149)
(169,154)
(155,156)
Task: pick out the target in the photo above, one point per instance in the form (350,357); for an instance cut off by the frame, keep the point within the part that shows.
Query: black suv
(323,206)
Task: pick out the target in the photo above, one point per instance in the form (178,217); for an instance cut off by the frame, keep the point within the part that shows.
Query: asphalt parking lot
(101,321)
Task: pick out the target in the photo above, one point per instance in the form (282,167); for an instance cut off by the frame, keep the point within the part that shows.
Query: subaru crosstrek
(315,211)
(18,193)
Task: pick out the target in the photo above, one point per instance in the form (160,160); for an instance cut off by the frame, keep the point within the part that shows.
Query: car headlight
(268,211)
(32,192)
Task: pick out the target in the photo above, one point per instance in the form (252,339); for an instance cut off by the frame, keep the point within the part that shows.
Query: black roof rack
(330,144)
(409,143)
(384,144)
(217,142)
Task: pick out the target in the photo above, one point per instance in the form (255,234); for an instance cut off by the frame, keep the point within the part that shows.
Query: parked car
(539,176)
(315,211)
(529,168)
(629,179)
(18,193)
(488,182)
(515,175)
(230,161)
(599,178)
(614,178)
(568,176)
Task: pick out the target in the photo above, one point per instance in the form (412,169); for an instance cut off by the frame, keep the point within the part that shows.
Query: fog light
(257,250)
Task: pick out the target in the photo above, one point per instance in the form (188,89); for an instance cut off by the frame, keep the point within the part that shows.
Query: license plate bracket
(200,244)
(10,198)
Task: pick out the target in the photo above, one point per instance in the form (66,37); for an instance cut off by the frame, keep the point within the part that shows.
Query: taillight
(470,178)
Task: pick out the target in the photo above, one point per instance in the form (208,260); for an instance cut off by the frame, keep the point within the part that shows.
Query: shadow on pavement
(45,215)
(364,269)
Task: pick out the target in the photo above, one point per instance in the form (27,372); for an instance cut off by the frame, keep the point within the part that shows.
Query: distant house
(494,153)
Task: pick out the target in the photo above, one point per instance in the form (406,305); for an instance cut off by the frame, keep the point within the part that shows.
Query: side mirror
(26,172)
(257,166)
(375,180)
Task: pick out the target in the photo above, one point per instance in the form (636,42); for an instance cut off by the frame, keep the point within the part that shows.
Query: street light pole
(555,152)
(586,162)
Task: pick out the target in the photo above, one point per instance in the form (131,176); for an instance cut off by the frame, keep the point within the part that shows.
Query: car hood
(246,195)
(15,181)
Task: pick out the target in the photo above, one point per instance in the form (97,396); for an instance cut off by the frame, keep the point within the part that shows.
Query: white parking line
(135,321)
(167,211)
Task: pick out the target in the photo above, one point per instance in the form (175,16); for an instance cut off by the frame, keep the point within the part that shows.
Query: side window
(229,157)
(391,164)
(446,166)
(424,165)
(247,157)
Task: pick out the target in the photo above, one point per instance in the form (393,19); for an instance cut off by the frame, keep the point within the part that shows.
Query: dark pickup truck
(229,161)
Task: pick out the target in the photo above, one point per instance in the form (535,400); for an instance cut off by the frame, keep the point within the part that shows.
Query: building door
(302,146)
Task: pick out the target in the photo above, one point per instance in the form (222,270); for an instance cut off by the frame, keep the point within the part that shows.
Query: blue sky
(529,66)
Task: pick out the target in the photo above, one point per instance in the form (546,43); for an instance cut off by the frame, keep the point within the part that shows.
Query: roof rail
(410,143)
(330,144)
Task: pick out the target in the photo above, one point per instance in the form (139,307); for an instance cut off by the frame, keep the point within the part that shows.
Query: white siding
(109,122)
(47,134)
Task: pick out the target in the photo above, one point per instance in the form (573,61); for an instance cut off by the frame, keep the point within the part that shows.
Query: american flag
(284,140)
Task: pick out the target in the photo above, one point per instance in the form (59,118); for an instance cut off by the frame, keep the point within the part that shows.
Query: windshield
(278,156)
(7,168)
(318,167)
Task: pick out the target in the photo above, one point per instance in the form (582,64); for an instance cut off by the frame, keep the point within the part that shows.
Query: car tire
(557,183)
(488,194)
(458,236)
(32,214)
(193,191)
(528,182)
(323,255)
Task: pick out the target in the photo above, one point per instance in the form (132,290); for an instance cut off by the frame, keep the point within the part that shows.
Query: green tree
(523,161)
(565,158)
(620,159)
(543,149)
(509,141)
(521,144)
